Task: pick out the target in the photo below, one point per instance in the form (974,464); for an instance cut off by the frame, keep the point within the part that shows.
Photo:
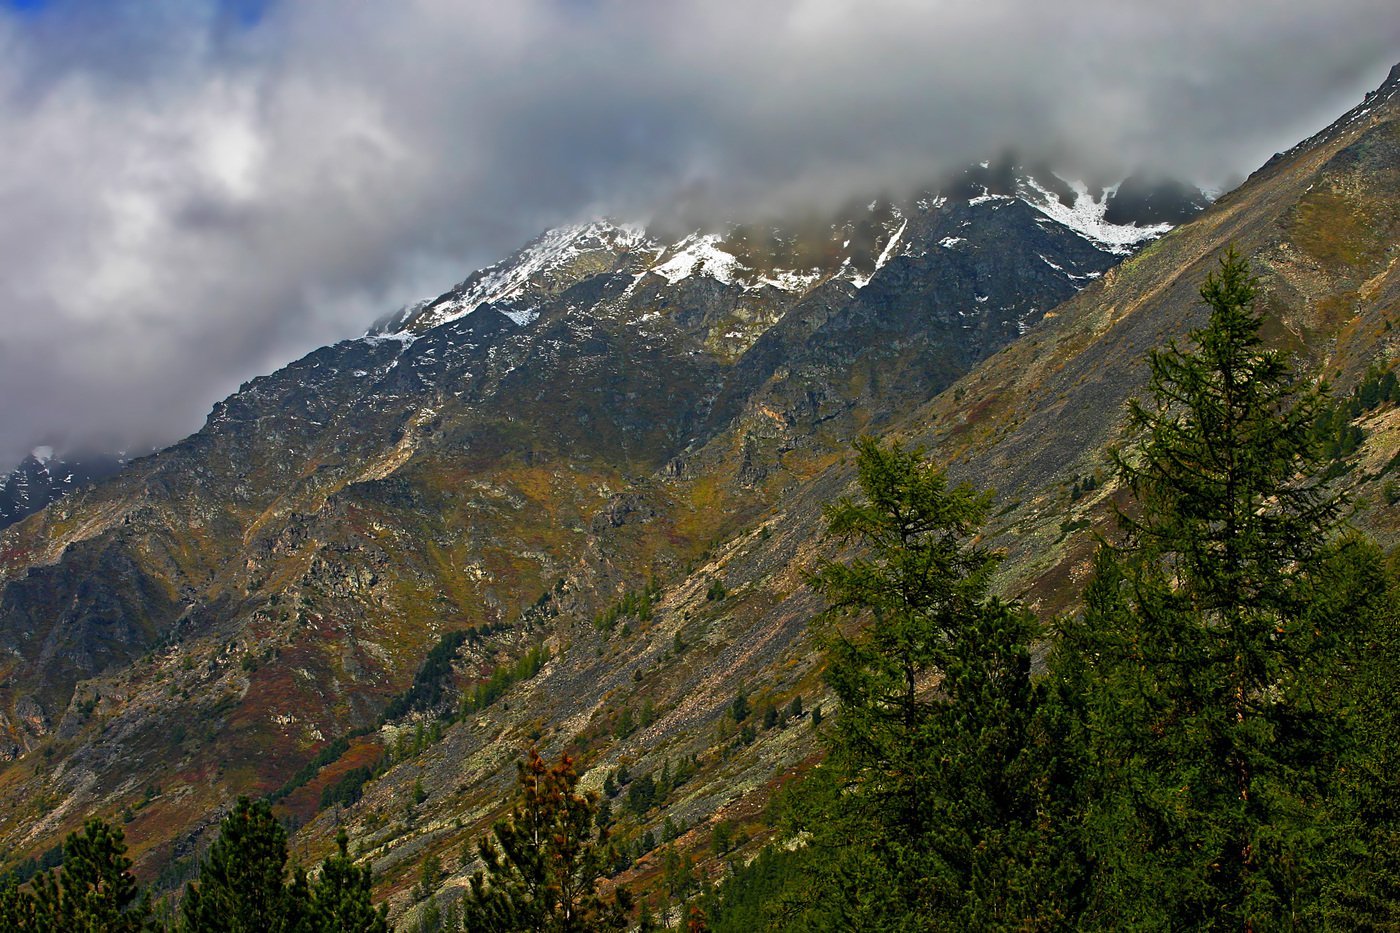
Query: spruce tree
(542,869)
(1208,666)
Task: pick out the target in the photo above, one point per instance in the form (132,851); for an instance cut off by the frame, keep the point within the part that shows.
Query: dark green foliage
(244,885)
(1212,664)
(51,858)
(678,874)
(348,789)
(429,874)
(426,690)
(626,723)
(641,794)
(503,678)
(430,921)
(407,744)
(544,863)
(93,891)
(1217,742)
(739,709)
(1333,427)
(16,906)
(175,874)
(1365,893)
(716,591)
(751,897)
(946,806)
(722,837)
(340,896)
(631,605)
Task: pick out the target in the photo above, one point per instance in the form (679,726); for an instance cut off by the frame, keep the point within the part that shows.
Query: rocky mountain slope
(617,447)
(597,410)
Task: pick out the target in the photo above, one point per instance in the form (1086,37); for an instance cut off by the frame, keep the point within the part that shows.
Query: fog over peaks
(194,193)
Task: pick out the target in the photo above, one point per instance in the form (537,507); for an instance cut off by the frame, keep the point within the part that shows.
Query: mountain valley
(615,447)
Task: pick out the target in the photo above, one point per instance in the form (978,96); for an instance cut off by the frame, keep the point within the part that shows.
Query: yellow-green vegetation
(1335,228)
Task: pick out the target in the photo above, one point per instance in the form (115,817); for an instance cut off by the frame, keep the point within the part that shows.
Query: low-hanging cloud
(192,194)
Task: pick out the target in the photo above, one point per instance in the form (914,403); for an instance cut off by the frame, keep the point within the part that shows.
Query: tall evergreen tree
(941,788)
(1366,893)
(243,884)
(1209,662)
(543,868)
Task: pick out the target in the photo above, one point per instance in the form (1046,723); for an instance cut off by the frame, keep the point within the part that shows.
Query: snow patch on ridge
(703,254)
(1086,216)
(788,281)
(860,281)
(699,254)
(505,282)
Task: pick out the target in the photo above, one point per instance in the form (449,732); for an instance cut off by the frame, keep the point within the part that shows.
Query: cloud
(194,193)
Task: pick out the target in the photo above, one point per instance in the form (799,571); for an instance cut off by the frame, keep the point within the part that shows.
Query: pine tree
(243,884)
(93,891)
(543,868)
(16,906)
(1208,657)
(340,896)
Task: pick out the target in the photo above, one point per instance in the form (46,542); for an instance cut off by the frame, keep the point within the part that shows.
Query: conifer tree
(243,884)
(942,795)
(1209,662)
(93,891)
(340,896)
(542,869)
(16,906)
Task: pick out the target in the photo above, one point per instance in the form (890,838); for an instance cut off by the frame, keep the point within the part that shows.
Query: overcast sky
(194,193)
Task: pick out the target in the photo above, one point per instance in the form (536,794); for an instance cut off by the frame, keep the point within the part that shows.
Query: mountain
(597,409)
(616,445)
(41,478)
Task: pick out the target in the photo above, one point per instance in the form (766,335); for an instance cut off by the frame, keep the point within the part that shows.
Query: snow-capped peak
(43,454)
(505,284)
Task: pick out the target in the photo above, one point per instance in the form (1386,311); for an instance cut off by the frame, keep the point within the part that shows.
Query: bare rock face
(32,718)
